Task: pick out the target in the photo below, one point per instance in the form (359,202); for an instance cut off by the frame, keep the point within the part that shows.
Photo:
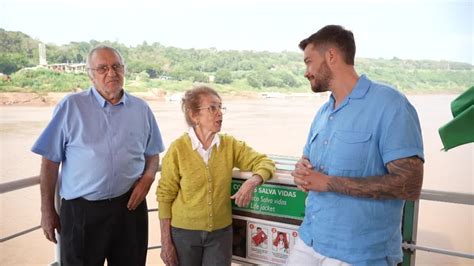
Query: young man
(362,159)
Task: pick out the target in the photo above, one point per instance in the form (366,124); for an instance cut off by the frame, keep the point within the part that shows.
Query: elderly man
(362,159)
(107,143)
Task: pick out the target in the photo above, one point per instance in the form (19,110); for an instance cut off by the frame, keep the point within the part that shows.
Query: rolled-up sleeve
(247,159)
(168,185)
(402,136)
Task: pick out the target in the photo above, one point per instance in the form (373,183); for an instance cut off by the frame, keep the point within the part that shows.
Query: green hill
(175,69)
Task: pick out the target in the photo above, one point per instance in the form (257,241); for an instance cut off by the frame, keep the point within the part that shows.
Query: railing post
(57,252)
(410,231)
(57,206)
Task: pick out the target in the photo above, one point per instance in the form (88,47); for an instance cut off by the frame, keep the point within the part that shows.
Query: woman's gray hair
(191,101)
(101,47)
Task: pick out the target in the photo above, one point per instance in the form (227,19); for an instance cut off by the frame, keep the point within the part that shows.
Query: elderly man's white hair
(101,47)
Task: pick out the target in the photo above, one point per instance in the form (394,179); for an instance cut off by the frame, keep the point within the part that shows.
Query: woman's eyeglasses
(117,68)
(214,108)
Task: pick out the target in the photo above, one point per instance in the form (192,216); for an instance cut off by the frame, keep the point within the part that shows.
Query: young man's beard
(322,84)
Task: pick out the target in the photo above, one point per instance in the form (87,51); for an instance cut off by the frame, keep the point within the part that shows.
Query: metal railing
(29,182)
(441,196)
(16,185)
(430,195)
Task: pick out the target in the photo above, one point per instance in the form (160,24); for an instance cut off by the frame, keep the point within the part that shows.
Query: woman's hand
(168,253)
(244,195)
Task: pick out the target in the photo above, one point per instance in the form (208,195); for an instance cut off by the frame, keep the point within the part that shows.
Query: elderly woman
(194,189)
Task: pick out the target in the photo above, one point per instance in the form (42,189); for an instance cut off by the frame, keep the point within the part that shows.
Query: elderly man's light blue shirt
(102,147)
(373,126)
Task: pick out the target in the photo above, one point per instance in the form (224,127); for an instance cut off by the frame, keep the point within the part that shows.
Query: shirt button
(321,167)
(331,117)
(210,203)
(210,214)
(209,180)
(326,142)
(210,226)
(209,191)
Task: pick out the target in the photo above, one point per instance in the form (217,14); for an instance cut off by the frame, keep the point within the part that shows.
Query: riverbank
(52,98)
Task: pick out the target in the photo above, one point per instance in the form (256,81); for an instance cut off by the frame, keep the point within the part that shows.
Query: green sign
(275,200)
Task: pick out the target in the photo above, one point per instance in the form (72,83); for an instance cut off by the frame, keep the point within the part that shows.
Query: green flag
(460,130)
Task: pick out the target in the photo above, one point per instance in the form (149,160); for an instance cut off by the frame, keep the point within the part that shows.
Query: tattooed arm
(403,181)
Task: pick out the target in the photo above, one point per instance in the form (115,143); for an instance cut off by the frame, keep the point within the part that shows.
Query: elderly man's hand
(244,195)
(140,190)
(50,222)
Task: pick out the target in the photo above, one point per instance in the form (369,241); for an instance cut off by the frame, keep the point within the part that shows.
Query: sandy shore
(274,126)
(51,98)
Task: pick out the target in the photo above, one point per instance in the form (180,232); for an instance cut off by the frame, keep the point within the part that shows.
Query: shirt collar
(361,88)
(359,91)
(196,143)
(102,102)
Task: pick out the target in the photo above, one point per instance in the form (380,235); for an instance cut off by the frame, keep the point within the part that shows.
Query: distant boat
(280,95)
(175,97)
(272,95)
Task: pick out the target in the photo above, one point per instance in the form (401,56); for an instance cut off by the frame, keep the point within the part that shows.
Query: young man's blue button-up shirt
(373,126)
(102,147)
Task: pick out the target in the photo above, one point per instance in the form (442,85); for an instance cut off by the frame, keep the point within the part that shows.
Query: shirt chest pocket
(136,142)
(349,150)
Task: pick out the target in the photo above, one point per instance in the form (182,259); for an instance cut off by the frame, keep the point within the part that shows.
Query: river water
(270,125)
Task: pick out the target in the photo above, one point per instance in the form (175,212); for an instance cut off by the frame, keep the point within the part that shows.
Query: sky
(423,29)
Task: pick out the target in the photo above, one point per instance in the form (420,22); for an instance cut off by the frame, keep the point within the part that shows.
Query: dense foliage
(169,68)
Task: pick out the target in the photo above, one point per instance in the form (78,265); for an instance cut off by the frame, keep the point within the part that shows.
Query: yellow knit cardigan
(196,196)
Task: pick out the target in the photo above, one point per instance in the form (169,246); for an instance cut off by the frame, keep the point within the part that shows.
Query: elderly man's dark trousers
(95,231)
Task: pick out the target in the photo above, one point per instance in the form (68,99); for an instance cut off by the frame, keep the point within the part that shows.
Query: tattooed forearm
(403,181)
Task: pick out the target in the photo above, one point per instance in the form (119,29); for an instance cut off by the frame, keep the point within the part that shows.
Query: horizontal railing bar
(20,233)
(284,163)
(276,157)
(19,184)
(432,195)
(451,197)
(426,194)
(438,250)
(38,227)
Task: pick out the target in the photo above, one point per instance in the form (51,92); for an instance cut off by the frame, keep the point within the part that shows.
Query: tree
(287,79)
(152,73)
(197,76)
(223,77)
(10,63)
(254,81)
